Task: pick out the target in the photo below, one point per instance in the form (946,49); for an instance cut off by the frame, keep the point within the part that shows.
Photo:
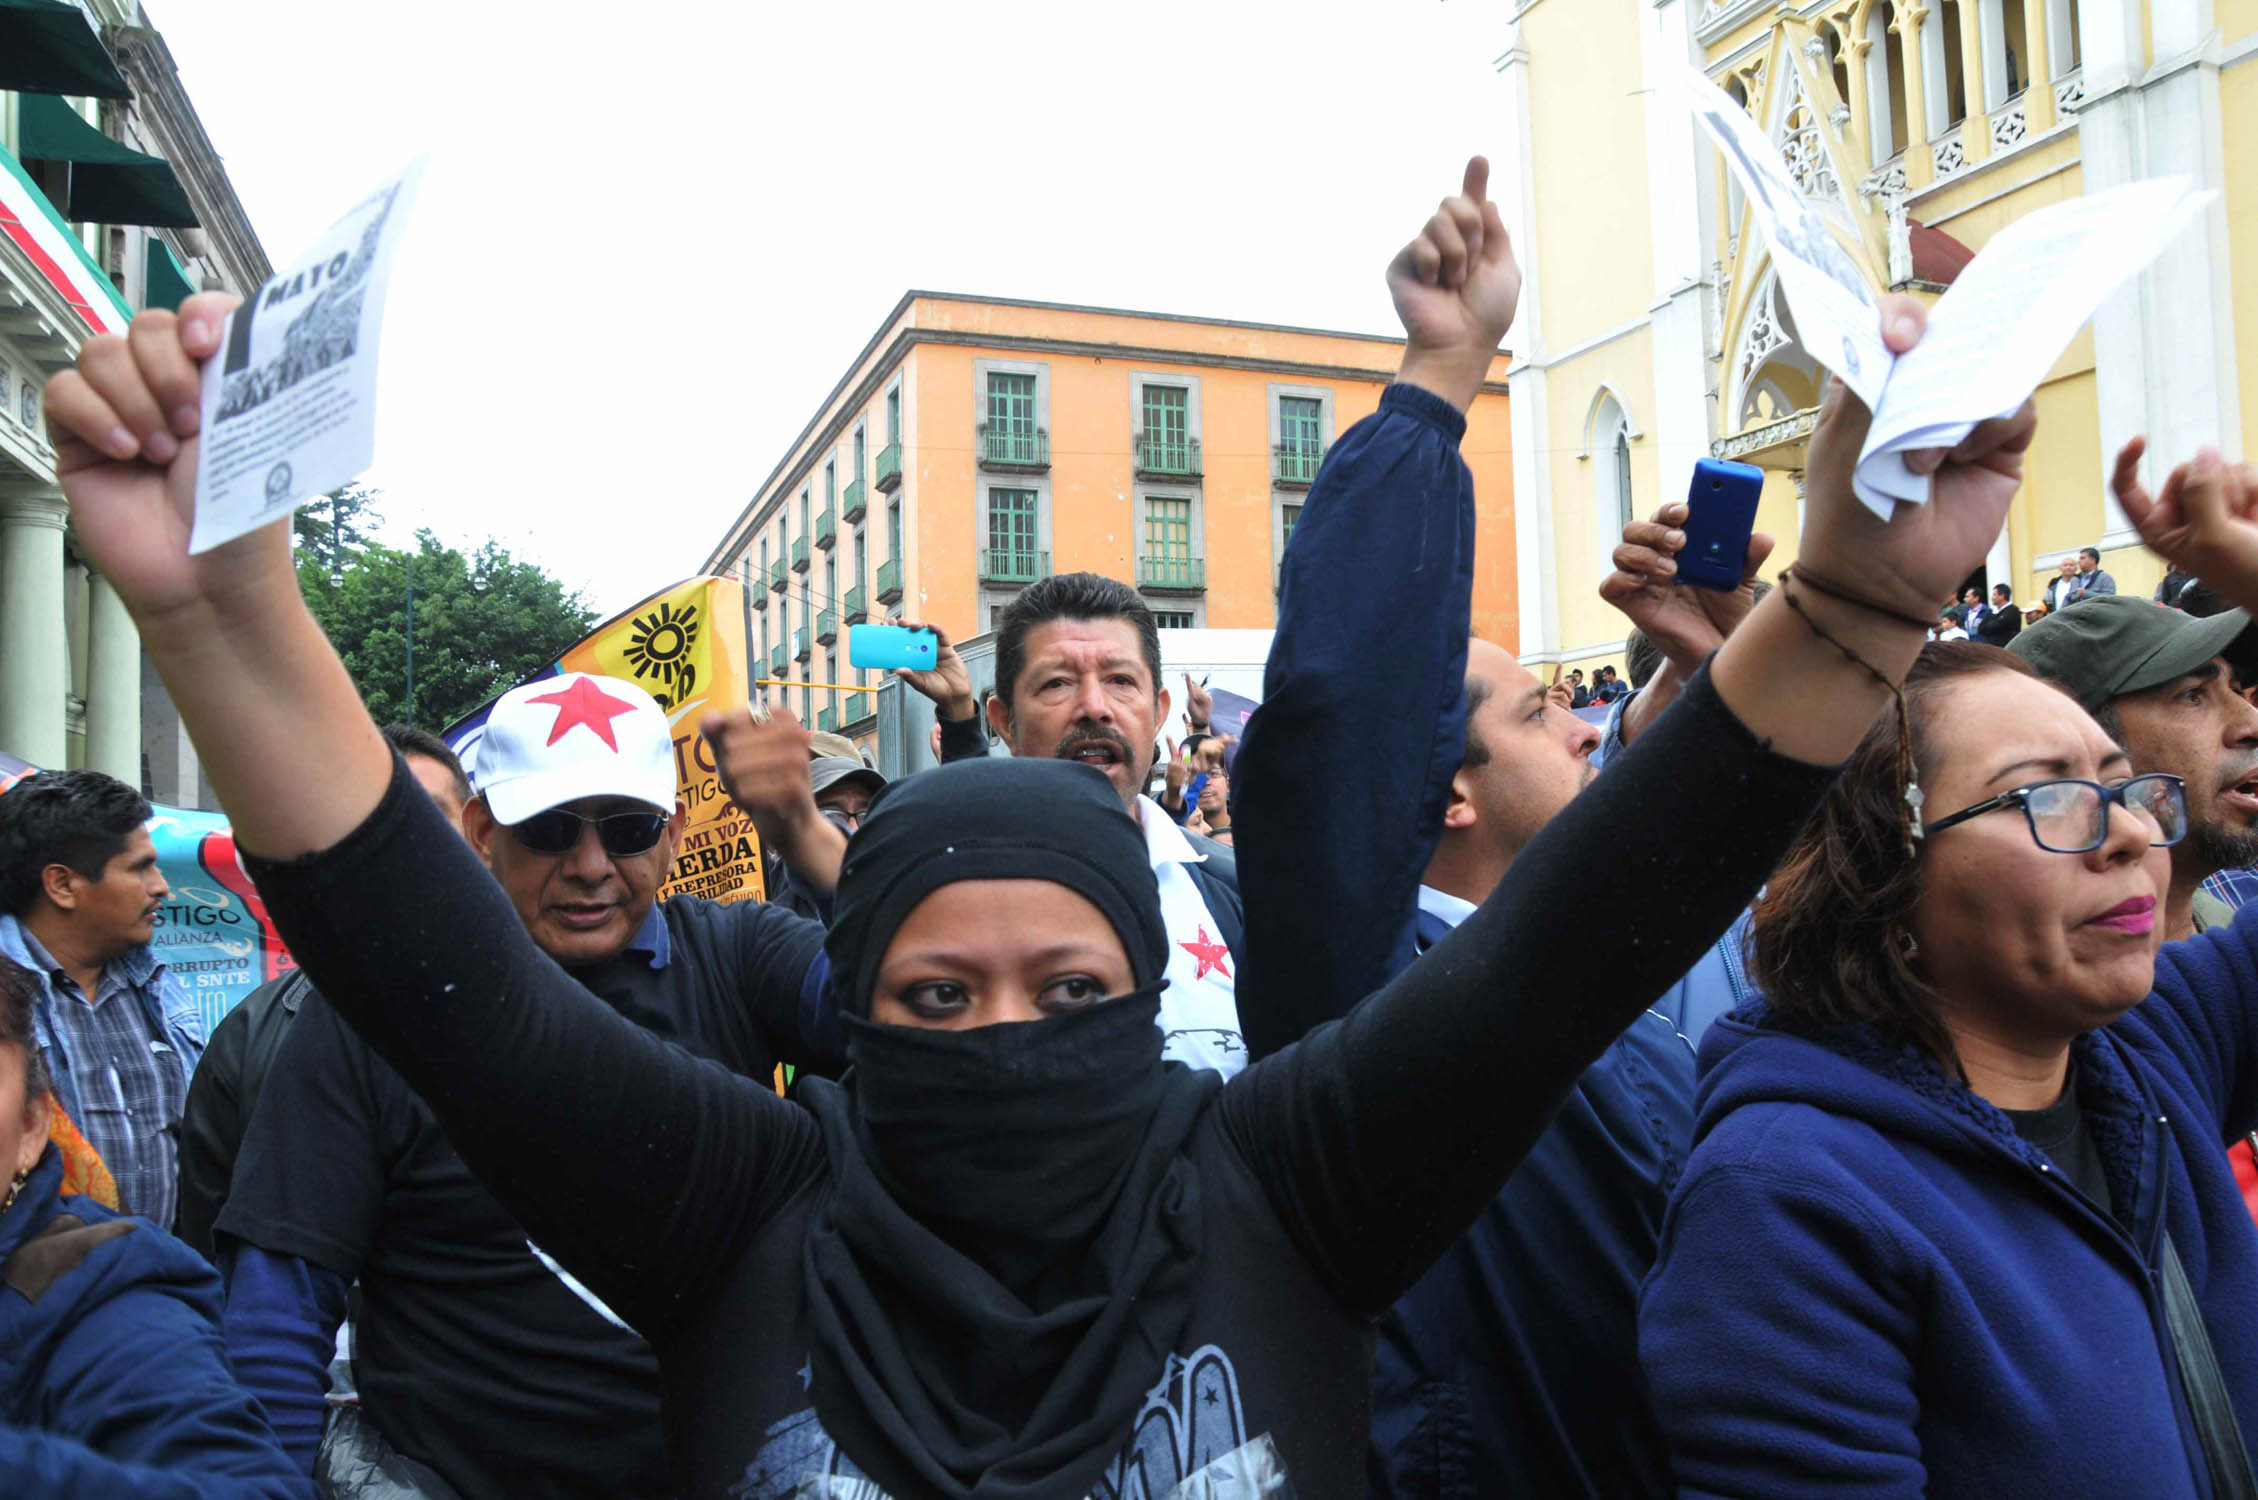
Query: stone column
(113,685)
(36,674)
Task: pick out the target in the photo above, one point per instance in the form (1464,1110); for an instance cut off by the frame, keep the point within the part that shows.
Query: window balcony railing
(1014,448)
(776,575)
(1177,458)
(890,467)
(827,625)
(776,660)
(801,649)
(890,581)
(799,554)
(854,502)
(826,528)
(827,720)
(1295,465)
(999,566)
(760,595)
(1172,575)
(856,606)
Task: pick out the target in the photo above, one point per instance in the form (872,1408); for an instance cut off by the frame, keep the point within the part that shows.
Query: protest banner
(213,931)
(672,647)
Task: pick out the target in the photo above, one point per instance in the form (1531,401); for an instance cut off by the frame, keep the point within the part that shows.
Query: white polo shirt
(1199,1011)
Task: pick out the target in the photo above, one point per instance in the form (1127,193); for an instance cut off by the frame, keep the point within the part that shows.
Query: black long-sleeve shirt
(1331,1173)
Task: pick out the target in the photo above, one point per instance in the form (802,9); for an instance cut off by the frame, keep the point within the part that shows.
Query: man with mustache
(2160,683)
(1078,678)
(79,895)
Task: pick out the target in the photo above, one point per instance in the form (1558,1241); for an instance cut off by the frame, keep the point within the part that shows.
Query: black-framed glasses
(557,831)
(839,818)
(2072,817)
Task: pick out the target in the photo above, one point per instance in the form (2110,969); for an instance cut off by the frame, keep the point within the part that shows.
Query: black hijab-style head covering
(1006,1259)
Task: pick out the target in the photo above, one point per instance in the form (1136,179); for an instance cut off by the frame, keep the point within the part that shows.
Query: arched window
(1615,502)
(1885,82)
(1837,63)
(1946,17)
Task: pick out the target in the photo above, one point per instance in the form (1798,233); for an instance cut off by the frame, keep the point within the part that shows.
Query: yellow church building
(1652,332)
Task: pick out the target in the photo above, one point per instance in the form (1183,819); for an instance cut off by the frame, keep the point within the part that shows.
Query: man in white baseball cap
(474,1357)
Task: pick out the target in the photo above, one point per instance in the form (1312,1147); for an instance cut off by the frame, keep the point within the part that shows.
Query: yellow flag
(676,646)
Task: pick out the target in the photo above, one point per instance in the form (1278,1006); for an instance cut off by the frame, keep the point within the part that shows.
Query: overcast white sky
(652,236)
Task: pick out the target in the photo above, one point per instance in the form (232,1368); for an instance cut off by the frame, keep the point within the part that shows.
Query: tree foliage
(335,530)
(481,622)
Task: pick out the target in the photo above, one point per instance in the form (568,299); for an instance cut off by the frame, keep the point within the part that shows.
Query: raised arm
(1381,1135)
(616,1151)
(1347,763)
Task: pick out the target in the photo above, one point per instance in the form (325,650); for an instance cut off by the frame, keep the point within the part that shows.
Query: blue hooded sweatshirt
(1871,1285)
(113,1381)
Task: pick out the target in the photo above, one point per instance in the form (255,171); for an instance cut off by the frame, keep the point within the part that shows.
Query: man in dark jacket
(1511,1367)
(225,1089)
(2004,621)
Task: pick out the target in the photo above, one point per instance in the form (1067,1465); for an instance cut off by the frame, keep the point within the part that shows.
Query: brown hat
(824,745)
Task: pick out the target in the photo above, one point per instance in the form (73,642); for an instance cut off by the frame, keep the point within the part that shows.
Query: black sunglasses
(557,831)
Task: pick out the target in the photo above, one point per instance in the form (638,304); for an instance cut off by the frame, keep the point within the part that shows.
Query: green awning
(110,182)
(166,283)
(49,47)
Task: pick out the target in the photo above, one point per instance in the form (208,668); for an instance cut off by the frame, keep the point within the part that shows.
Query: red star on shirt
(585,703)
(1211,954)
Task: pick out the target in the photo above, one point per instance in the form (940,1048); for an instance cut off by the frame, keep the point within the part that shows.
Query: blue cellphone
(885,646)
(1720,514)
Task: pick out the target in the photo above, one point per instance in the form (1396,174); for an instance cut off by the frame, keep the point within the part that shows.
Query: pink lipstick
(2136,917)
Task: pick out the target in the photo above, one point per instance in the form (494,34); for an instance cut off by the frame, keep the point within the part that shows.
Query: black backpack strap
(2215,1422)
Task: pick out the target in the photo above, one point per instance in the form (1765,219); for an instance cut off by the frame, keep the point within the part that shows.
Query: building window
(1172,619)
(1011,406)
(1012,545)
(894,530)
(894,415)
(862,451)
(1167,426)
(1289,516)
(806,526)
(1610,454)
(1300,445)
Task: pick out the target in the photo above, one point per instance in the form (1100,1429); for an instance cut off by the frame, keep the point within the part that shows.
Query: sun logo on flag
(659,646)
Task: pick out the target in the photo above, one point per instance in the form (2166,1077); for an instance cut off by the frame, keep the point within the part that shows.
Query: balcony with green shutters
(776,575)
(1000,566)
(1168,457)
(826,529)
(1172,575)
(802,647)
(827,625)
(776,660)
(890,467)
(759,596)
(855,501)
(1014,448)
(890,581)
(799,554)
(827,720)
(856,605)
(1293,466)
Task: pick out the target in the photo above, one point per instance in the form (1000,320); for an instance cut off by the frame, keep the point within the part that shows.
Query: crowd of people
(1111,1114)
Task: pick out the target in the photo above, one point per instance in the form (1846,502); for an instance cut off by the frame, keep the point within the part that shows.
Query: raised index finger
(1476,184)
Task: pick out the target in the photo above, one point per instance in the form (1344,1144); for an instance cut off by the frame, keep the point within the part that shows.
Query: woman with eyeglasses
(1958,1220)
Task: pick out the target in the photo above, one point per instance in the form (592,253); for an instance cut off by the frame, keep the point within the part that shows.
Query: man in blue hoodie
(1392,775)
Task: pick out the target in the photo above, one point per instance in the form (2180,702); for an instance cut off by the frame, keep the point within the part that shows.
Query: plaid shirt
(131,1082)
(2237,888)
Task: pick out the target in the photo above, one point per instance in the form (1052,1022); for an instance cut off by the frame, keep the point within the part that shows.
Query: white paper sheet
(290,402)
(1990,339)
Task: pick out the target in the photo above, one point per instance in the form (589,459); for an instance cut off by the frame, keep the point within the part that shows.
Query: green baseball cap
(2111,645)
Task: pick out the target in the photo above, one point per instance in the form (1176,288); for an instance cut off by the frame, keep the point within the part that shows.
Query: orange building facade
(979,444)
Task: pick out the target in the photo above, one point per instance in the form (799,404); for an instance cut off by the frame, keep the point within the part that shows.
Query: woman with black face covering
(1013,1253)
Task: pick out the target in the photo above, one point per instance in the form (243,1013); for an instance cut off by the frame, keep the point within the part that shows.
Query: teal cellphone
(885,647)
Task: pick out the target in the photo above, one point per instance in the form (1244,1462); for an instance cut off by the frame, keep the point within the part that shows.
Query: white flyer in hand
(1990,339)
(290,400)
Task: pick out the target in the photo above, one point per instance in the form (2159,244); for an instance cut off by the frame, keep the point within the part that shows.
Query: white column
(1881,130)
(113,685)
(1681,421)
(34,664)
(2164,353)
(1536,566)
